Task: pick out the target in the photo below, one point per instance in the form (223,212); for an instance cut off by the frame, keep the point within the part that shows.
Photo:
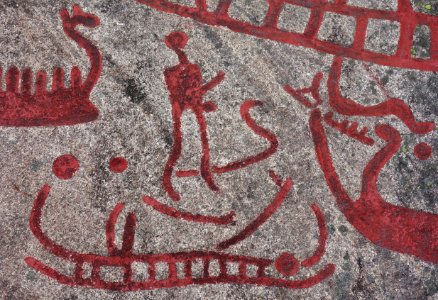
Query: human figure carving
(184,82)
(390,226)
(186,89)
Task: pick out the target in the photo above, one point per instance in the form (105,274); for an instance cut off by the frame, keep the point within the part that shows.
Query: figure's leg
(205,160)
(176,153)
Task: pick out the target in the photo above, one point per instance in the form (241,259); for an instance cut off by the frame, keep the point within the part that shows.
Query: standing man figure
(184,82)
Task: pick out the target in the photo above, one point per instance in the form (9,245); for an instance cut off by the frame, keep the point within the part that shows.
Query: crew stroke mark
(61,105)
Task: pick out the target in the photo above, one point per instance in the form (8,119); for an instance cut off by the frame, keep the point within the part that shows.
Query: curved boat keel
(181,270)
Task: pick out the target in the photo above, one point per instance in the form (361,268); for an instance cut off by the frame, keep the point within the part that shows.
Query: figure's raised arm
(215,81)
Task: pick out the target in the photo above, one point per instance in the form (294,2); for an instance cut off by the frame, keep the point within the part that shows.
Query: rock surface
(135,122)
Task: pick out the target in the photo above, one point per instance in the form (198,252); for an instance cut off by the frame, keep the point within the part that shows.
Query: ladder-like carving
(124,258)
(405,15)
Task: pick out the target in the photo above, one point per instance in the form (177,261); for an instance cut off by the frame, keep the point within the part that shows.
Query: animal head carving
(393,227)
(78,17)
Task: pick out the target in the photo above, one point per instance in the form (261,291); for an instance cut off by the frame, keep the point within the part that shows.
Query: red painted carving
(345,127)
(187,173)
(262,218)
(118,164)
(323,236)
(65,166)
(408,18)
(275,178)
(184,82)
(186,89)
(287,264)
(174,213)
(390,226)
(349,128)
(125,256)
(423,151)
(266,134)
(61,105)
(394,107)
(110,229)
(313,90)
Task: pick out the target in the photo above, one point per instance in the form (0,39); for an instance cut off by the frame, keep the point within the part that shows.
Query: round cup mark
(65,166)
(287,264)
(423,151)
(118,164)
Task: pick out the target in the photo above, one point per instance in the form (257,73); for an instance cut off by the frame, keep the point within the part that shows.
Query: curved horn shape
(69,23)
(349,107)
(390,226)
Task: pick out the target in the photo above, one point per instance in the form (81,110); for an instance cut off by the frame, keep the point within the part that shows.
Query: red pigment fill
(390,226)
(118,164)
(394,107)
(110,229)
(275,178)
(177,214)
(287,264)
(184,82)
(261,219)
(313,90)
(186,173)
(125,257)
(348,107)
(405,15)
(346,127)
(59,105)
(349,128)
(423,151)
(266,134)
(128,234)
(252,159)
(65,166)
(323,236)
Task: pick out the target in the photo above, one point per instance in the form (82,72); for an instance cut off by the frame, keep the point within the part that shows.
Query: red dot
(287,264)
(423,151)
(118,164)
(65,166)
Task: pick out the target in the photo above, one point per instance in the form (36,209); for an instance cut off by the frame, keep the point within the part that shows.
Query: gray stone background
(135,122)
